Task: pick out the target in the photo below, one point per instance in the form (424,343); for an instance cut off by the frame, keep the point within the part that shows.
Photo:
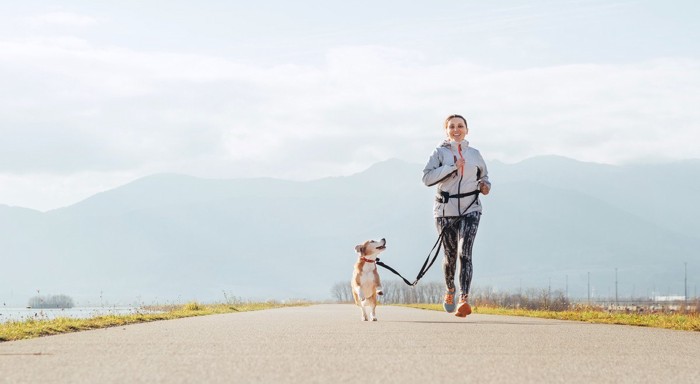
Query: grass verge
(17,330)
(677,321)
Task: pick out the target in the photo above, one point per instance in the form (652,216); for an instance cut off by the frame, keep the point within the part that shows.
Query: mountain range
(549,222)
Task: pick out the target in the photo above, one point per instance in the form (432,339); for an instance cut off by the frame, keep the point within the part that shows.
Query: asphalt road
(329,344)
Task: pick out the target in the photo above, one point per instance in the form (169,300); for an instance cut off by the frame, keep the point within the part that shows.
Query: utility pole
(589,288)
(685,294)
(616,303)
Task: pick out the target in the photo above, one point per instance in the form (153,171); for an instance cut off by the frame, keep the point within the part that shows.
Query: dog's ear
(360,248)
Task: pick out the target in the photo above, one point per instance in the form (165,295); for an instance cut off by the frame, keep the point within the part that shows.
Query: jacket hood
(454,145)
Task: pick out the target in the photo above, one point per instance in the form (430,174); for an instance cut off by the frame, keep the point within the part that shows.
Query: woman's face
(456,129)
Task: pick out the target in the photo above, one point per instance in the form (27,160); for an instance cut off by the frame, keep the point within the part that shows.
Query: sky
(94,95)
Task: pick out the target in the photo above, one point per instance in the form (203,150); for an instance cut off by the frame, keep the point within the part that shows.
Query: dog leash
(426,266)
(381,264)
(436,247)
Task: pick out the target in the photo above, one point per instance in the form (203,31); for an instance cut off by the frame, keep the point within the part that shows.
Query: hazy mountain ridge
(663,193)
(173,236)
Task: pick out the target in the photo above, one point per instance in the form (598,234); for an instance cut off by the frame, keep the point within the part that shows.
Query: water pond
(23,314)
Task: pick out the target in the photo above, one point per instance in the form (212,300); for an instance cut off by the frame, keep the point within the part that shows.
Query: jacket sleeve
(484,171)
(435,171)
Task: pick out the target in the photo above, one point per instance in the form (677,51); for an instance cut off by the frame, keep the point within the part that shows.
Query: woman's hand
(484,188)
(460,165)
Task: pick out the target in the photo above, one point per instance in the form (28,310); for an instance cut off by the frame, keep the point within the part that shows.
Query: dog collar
(366,260)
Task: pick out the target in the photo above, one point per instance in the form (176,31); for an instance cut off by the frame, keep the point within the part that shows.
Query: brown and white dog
(365,278)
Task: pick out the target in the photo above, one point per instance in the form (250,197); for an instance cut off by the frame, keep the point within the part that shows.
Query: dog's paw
(359,294)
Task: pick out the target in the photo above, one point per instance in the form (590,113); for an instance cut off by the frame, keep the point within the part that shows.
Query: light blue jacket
(442,171)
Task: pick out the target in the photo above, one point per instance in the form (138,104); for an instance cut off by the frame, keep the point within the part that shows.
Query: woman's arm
(484,183)
(435,171)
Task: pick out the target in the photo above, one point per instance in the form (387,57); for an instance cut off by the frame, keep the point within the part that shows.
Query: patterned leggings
(458,240)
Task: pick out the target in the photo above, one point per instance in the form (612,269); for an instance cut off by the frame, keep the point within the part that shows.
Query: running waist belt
(444,197)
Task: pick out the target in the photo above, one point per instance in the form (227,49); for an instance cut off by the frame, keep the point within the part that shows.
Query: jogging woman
(460,174)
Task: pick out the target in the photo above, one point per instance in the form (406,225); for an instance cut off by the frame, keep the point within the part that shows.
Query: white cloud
(70,109)
(63,19)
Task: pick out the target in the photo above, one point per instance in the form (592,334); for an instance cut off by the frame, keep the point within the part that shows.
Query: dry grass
(17,330)
(677,321)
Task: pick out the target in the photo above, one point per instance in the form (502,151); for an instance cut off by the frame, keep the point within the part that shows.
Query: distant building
(669,298)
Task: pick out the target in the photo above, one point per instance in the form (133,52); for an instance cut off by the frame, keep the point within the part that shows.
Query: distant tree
(541,299)
(396,292)
(342,292)
(51,301)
